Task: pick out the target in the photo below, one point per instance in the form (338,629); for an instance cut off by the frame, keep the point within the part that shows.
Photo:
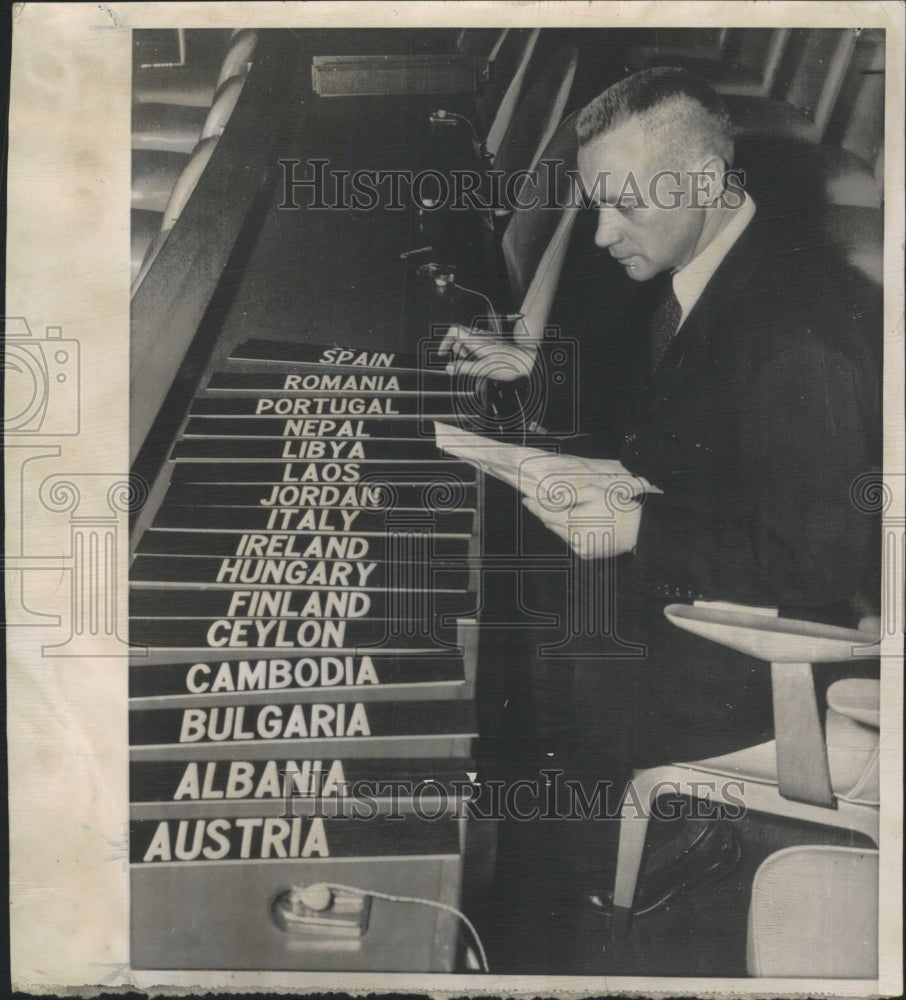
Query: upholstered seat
(814,913)
(480,42)
(182,188)
(224,102)
(187,86)
(194,85)
(145,226)
(745,61)
(852,753)
(187,181)
(497,104)
(173,128)
(154,172)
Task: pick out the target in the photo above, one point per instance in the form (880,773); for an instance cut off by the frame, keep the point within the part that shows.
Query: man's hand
(475,353)
(594,505)
(597,518)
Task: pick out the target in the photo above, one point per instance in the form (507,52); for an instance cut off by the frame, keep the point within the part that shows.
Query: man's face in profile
(657,233)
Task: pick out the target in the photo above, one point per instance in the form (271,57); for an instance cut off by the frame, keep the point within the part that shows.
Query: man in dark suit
(752,402)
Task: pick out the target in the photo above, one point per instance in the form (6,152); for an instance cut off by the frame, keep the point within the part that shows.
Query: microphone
(440,116)
(444,278)
(502,401)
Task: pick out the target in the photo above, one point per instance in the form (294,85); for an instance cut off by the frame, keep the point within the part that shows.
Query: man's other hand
(478,354)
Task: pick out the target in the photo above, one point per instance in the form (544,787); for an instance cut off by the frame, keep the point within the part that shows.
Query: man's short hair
(687,115)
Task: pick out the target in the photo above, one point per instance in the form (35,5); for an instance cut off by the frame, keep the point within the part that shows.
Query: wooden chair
(799,774)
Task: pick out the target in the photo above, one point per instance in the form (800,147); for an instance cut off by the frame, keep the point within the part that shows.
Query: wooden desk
(302,584)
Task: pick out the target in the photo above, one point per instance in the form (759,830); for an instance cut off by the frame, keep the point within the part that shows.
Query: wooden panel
(351,76)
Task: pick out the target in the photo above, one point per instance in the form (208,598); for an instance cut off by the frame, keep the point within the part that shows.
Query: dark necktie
(664,323)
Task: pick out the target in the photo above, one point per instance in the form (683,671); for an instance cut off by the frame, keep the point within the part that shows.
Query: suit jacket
(757,424)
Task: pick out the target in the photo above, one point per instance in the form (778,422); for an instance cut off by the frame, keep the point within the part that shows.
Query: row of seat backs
(820,85)
(825,195)
(173,143)
(195,83)
(523,100)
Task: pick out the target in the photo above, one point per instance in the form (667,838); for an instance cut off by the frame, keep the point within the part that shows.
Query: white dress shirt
(689,282)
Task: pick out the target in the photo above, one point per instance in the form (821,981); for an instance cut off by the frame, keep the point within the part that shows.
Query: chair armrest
(775,640)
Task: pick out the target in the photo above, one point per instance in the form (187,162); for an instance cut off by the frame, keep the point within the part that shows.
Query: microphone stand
(502,397)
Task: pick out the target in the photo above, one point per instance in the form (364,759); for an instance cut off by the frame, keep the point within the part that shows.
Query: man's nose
(608,231)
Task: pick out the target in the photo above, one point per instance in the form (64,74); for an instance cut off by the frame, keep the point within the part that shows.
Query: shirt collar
(690,281)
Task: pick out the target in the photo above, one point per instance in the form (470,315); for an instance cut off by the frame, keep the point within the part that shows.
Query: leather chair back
(530,230)
(538,114)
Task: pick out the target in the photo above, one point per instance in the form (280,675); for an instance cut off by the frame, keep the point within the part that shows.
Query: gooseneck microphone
(443,117)
(502,397)
(444,278)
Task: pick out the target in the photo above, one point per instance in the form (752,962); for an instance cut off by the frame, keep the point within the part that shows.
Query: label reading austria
(256,838)
(229,839)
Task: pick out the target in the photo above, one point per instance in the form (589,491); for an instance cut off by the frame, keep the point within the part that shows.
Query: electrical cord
(317,891)
(492,312)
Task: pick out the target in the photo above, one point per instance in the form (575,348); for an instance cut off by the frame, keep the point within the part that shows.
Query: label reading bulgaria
(244,724)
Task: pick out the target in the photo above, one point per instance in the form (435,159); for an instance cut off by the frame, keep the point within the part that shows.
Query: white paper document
(532,469)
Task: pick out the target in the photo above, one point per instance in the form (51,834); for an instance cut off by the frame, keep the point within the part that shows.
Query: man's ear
(710,185)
